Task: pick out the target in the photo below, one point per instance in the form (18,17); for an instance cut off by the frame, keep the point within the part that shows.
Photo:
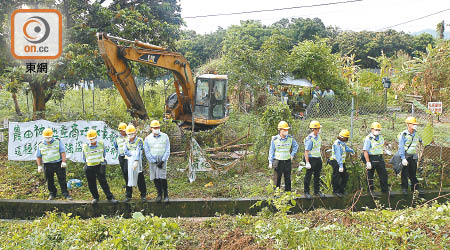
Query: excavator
(202,102)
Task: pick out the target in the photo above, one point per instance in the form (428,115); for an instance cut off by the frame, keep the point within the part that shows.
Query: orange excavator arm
(116,57)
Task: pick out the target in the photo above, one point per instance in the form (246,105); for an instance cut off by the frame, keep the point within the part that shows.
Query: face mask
(285,133)
(376,132)
(156,131)
(131,136)
(414,127)
(93,141)
(48,139)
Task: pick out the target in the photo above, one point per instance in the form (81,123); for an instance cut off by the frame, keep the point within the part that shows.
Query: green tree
(313,61)
(199,49)
(440,28)
(366,44)
(12,79)
(301,29)
(428,74)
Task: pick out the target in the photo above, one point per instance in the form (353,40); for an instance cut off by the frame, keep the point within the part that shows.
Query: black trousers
(378,165)
(92,174)
(410,171)
(141,179)
(338,179)
(282,168)
(316,169)
(50,170)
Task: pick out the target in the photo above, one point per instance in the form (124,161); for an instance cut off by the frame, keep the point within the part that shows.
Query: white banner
(25,136)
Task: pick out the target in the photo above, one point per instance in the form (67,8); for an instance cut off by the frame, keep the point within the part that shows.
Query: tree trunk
(41,94)
(16,104)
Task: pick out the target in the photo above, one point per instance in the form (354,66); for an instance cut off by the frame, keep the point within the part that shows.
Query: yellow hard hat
(155,124)
(91,134)
(411,120)
(283,125)
(122,126)
(48,132)
(344,133)
(376,125)
(130,129)
(314,124)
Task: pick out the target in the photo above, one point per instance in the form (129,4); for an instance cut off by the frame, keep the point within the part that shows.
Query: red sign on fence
(435,107)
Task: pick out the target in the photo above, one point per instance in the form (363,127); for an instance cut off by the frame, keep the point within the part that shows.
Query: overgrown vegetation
(412,228)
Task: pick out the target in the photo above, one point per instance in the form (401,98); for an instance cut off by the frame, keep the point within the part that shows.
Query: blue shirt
(151,158)
(139,148)
(401,144)
(338,152)
(92,146)
(62,149)
(272,146)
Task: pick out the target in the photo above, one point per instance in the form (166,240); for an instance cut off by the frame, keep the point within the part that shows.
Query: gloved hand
(135,165)
(292,157)
(270,165)
(40,169)
(368,165)
(300,167)
(308,165)
(341,169)
(405,162)
(160,164)
(63,164)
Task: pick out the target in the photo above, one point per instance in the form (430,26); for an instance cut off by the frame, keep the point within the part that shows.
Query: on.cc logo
(40,28)
(36,34)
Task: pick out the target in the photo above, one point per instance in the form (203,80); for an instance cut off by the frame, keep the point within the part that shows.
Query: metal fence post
(352,115)
(93,97)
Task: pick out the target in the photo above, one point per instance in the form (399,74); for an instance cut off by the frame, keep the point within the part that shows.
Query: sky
(371,15)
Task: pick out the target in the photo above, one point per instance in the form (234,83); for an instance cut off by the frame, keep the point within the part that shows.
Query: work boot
(94,201)
(51,197)
(320,194)
(158,187)
(308,196)
(166,197)
(68,197)
(165,192)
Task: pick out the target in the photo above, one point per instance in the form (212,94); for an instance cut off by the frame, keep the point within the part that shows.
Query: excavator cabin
(207,94)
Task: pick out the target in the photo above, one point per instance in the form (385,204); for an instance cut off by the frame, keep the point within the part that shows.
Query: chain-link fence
(356,113)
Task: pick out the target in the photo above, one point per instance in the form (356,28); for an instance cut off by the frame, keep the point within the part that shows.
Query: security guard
(95,168)
(313,159)
(280,155)
(135,172)
(339,152)
(157,150)
(119,145)
(52,154)
(407,149)
(373,154)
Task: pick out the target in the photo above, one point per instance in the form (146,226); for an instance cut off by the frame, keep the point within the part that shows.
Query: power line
(416,19)
(270,10)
